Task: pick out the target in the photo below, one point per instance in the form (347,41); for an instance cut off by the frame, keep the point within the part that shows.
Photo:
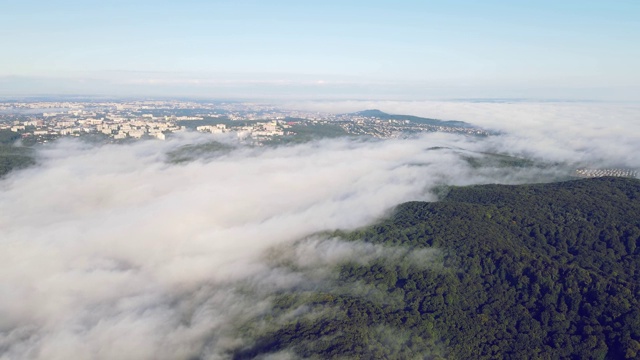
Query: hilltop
(547,271)
(374,113)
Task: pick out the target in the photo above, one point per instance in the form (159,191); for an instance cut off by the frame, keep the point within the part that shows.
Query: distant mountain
(375,113)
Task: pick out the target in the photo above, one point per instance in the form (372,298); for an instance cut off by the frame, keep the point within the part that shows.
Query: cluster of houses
(257,131)
(592,173)
(115,127)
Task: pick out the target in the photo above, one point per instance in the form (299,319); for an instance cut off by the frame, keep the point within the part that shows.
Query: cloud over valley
(113,251)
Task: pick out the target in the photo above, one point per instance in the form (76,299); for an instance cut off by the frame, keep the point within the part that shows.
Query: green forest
(13,157)
(544,271)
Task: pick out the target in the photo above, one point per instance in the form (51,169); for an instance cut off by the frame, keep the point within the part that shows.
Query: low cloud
(113,252)
(589,133)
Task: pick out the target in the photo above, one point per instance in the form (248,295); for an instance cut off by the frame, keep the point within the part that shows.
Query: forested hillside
(13,157)
(542,271)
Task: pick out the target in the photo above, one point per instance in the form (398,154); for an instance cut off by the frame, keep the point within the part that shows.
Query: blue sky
(343,49)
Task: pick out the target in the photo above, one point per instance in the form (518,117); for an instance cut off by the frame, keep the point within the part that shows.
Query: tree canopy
(542,271)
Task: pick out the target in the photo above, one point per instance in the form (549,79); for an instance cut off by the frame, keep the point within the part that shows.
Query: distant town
(114,121)
(40,122)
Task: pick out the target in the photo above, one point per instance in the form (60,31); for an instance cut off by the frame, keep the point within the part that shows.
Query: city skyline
(284,49)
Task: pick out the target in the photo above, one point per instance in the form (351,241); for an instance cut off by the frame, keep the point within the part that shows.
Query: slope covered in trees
(13,157)
(541,271)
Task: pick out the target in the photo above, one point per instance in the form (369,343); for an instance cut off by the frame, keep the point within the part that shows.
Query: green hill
(374,113)
(13,157)
(546,271)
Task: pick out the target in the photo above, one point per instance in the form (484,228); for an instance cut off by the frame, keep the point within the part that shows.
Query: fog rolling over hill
(283,180)
(542,271)
(132,255)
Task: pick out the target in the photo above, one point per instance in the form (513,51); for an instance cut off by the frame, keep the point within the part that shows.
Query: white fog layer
(112,252)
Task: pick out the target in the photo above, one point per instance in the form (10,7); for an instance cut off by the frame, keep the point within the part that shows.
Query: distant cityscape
(41,122)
